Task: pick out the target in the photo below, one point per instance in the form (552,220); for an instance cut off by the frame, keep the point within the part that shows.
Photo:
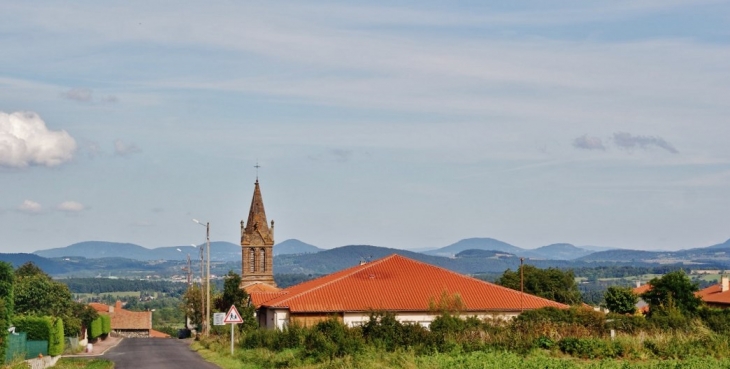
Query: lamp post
(206,329)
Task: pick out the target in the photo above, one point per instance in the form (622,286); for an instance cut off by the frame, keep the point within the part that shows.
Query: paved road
(155,353)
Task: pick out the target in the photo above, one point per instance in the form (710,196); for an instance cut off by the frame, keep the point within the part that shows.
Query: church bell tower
(257,244)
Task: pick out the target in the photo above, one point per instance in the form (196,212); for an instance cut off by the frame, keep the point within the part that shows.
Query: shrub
(56,340)
(106,324)
(38,328)
(587,348)
(95,329)
(7,276)
(717,320)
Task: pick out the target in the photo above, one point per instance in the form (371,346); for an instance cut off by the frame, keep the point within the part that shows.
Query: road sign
(233,316)
(218,318)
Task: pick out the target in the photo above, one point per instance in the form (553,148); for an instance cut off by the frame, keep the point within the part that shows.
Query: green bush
(106,324)
(7,276)
(38,328)
(716,319)
(56,340)
(630,324)
(587,348)
(95,329)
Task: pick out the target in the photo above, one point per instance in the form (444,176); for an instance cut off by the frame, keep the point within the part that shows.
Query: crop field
(116,295)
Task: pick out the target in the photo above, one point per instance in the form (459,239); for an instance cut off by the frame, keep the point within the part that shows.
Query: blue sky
(399,124)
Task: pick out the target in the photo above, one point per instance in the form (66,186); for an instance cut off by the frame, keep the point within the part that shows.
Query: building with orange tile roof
(127,323)
(717,295)
(404,286)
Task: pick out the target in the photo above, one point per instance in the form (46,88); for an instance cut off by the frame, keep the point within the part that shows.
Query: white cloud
(123,149)
(71,206)
(25,140)
(30,207)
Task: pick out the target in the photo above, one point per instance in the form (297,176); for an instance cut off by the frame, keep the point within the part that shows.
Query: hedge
(95,330)
(38,328)
(7,275)
(106,324)
(56,341)
(42,328)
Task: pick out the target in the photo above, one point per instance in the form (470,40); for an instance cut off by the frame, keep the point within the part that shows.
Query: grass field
(262,358)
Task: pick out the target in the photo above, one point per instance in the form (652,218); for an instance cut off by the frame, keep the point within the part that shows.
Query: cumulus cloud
(25,140)
(71,206)
(123,149)
(30,207)
(625,140)
(588,143)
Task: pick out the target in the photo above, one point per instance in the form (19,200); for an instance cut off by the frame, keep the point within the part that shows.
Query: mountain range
(473,255)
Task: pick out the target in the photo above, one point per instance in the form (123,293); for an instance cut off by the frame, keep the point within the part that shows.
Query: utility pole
(202,297)
(207,293)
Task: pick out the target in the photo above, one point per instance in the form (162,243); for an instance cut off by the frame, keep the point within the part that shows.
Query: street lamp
(207,282)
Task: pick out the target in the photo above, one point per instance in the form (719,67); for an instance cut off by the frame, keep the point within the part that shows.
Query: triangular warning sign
(233,316)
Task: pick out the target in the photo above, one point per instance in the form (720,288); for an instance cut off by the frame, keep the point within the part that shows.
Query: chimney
(638,284)
(118,305)
(725,283)
(363,262)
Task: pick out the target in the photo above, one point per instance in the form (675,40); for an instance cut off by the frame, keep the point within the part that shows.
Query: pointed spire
(256,226)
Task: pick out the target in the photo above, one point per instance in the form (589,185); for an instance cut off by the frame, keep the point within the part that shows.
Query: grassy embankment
(216,351)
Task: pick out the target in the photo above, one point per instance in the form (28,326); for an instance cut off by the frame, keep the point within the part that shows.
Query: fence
(16,346)
(35,348)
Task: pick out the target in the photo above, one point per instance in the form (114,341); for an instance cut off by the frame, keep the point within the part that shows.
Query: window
(263,260)
(252,260)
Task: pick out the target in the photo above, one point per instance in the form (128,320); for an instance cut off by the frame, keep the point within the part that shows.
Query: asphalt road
(155,353)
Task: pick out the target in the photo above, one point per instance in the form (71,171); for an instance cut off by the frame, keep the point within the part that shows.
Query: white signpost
(218,318)
(232,317)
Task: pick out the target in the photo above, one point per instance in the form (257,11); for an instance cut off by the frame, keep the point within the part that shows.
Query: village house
(410,289)
(125,323)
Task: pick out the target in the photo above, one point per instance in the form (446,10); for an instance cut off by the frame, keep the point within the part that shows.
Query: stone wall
(131,333)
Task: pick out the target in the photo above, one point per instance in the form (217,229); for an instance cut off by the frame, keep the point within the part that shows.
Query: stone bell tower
(257,244)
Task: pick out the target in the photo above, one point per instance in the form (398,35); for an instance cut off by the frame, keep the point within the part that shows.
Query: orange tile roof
(398,283)
(260,287)
(714,295)
(125,319)
(102,308)
(259,298)
(642,289)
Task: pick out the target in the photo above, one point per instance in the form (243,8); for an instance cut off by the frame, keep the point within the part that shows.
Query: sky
(389,123)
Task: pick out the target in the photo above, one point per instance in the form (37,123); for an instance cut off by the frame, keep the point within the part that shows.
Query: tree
(6,302)
(233,294)
(673,290)
(552,283)
(192,301)
(621,300)
(37,294)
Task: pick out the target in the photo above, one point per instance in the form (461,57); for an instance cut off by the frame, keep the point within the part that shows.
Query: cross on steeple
(257,166)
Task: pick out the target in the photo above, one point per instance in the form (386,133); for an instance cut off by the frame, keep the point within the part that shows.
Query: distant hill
(476,244)
(293,246)
(220,251)
(559,251)
(47,265)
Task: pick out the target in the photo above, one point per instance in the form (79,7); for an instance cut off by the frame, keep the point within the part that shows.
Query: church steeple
(257,244)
